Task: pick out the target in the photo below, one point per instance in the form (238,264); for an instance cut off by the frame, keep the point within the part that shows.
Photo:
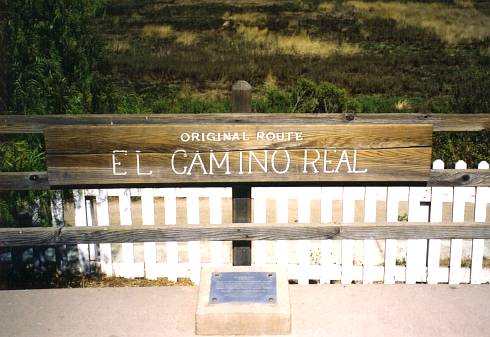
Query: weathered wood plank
(20,180)
(24,181)
(440,122)
(195,137)
(115,234)
(459,178)
(403,164)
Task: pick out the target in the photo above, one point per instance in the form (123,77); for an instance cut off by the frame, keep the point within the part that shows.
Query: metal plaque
(243,287)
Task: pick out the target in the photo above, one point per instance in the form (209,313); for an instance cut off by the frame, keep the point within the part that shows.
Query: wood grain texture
(440,122)
(237,153)
(460,178)
(166,139)
(24,181)
(11,237)
(407,164)
(479,178)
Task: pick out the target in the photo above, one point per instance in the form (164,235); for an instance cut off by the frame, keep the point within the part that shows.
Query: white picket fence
(325,261)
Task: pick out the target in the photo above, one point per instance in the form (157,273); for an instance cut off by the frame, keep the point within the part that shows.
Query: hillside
(391,56)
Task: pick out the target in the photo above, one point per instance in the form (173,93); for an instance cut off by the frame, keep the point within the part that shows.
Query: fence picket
(194,247)
(478,247)
(395,196)
(148,219)
(89,207)
(351,195)
(327,268)
(462,195)
(105,249)
(125,219)
(304,215)
(215,218)
(259,216)
(416,260)
(373,195)
(81,220)
(439,196)
(281,196)
(172,248)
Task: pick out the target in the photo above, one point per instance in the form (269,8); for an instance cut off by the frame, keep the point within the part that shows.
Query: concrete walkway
(323,310)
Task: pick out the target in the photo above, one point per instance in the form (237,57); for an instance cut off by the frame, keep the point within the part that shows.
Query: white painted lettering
(185,137)
(273,161)
(117,163)
(344,159)
(251,155)
(224,161)
(197,159)
(354,165)
(312,163)
(184,169)
(138,171)
(326,162)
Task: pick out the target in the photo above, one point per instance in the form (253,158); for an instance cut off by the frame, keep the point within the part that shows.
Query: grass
(187,38)
(453,24)
(157,31)
(119,45)
(300,44)
(368,53)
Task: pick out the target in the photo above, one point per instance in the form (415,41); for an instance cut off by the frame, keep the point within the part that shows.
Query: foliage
(3,66)
(304,96)
(170,102)
(388,104)
(24,208)
(273,100)
(472,94)
(332,98)
(54,57)
(323,97)
(472,147)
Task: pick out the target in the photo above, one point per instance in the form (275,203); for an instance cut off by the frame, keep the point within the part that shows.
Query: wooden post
(241,102)
(241,97)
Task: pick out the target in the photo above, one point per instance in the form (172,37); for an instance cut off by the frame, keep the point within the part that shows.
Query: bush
(24,208)
(54,57)
(324,97)
(274,100)
(304,96)
(472,147)
(331,98)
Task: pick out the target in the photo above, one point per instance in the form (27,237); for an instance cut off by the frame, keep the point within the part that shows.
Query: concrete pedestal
(236,318)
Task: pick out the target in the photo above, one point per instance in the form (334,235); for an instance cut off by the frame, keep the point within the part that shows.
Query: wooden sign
(227,153)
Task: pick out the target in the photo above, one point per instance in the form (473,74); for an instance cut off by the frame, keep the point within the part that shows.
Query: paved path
(326,310)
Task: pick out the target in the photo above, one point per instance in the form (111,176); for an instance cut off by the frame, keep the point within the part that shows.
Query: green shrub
(191,104)
(324,97)
(472,147)
(304,96)
(130,103)
(54,57)
(351,106)
(331,98)
(24,208)
(274,100)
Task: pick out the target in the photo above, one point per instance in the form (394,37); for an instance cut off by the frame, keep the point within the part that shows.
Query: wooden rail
(35,236)
(11,124)
(39,180)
